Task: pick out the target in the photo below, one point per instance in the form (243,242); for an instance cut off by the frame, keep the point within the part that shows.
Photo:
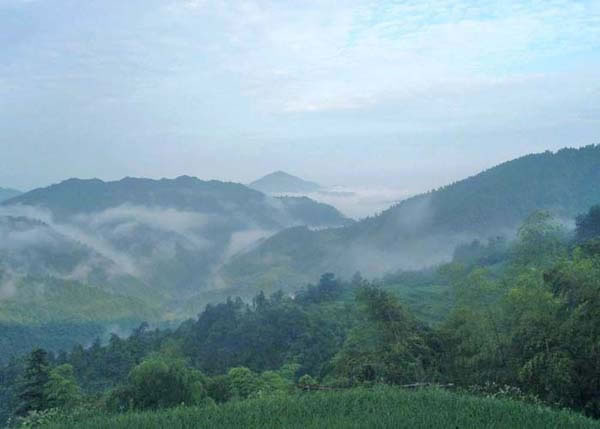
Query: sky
(405,95)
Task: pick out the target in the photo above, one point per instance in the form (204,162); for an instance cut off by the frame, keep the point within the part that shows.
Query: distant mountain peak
(282,182)
(282,173)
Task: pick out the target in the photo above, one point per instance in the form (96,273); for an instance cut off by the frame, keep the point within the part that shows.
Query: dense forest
(432,262)
(506,318)
(91,256)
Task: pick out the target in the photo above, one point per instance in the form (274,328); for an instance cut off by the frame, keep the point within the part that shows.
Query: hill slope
(6,194)
(154,239)
(281,182)
(424,230)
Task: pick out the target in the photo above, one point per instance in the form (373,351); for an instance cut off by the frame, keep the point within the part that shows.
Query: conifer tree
(32,395)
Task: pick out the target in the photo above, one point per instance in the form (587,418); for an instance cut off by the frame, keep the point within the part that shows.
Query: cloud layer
(366,92)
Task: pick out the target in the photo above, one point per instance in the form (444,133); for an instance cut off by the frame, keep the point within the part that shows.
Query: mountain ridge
(158,240)
(424,229)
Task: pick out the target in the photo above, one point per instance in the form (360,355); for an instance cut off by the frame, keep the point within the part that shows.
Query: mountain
(160,241)
(6,194)
(313,213)
(280,182)
(425,229)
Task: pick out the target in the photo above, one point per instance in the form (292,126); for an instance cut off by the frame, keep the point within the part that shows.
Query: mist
(296,209)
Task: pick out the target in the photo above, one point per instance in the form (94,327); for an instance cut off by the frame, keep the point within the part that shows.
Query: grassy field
(384,407)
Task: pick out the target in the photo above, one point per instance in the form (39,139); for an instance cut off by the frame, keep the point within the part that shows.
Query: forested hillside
(519,322)
(141,237)
(425,229)
(93,255)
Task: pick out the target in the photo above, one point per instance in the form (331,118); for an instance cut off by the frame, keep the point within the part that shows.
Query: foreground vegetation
(382,407)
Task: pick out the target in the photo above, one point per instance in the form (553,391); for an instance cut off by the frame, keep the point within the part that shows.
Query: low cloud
(357,202)
(123,220)
(244,240)
(162,247)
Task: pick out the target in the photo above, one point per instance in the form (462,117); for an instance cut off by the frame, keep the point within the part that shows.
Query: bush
(160,383)
(244,382)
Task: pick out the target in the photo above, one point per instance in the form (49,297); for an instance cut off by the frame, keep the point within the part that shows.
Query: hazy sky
(408,94)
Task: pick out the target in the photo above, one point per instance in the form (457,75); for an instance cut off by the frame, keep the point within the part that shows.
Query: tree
(388,345)
(219,388)
(159,382)
(306,382)
(328,289)
(32,395)
(473,334)
(540,240)
(244,382)
(588,225)
(272,382)
(62,390)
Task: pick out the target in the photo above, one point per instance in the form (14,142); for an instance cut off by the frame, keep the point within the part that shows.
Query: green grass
(383,407)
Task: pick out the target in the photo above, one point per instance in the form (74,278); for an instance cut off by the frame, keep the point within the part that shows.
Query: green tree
(61,389)
(272,382)
(388,344)
(306,382)
(541,241)
(474,334)
(588,225)
(159,382)
(32,395)
(219,388)
(244,382)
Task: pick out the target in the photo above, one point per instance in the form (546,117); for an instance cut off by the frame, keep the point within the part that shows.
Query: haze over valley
(175,245)
(304,214)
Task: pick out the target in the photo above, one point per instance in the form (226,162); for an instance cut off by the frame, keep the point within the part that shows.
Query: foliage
(32,394)
(243,382)
(159,382)
(533,327)
(540,240)
(388,346)
(521,325)
(478,253)
(61,389)
(306,382)
(588,225)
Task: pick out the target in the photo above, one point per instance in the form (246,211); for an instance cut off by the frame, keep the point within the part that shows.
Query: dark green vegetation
(360,408)
(171,246)
(514,319)
(509,306)
(6,194)
(119,253)
(424,230)
(280,182)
